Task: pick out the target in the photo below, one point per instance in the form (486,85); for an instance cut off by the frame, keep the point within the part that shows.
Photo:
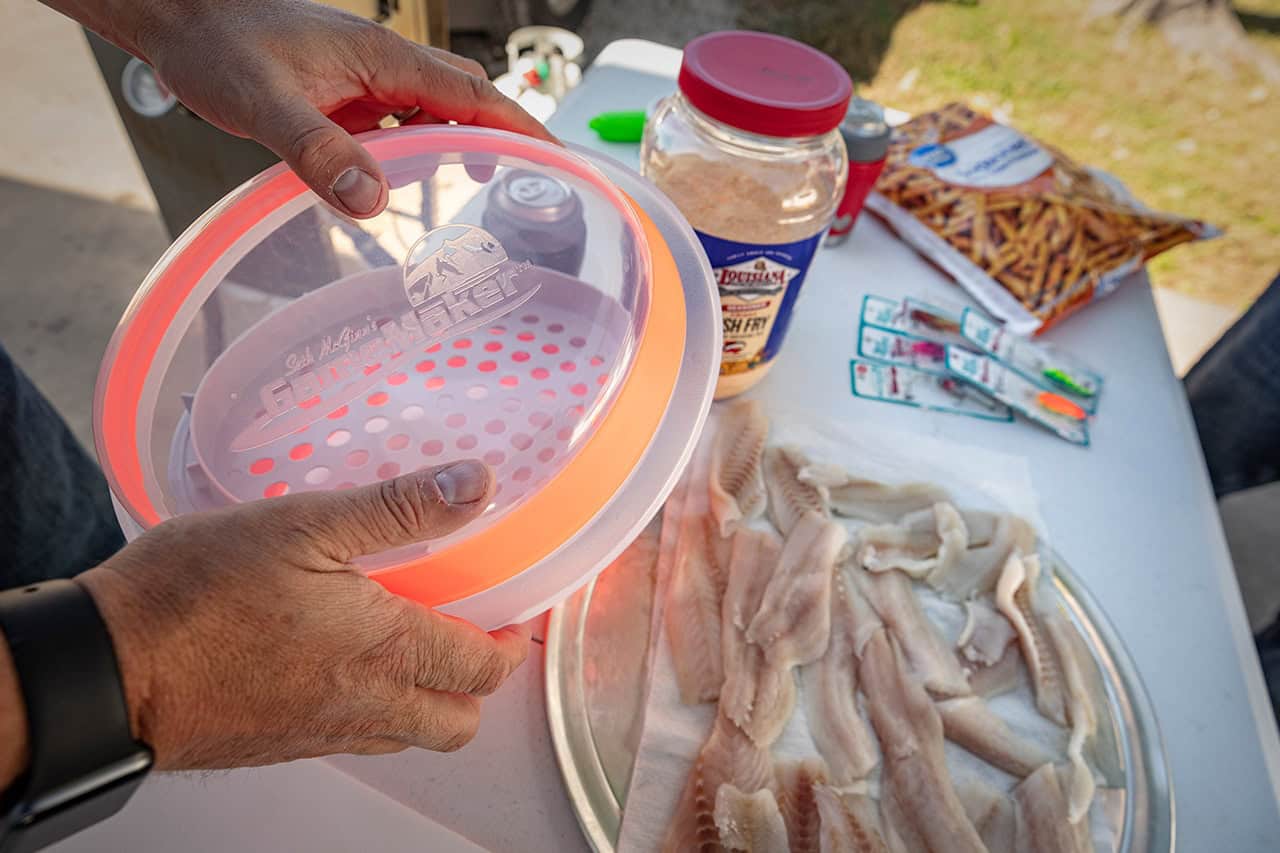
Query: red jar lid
(764,83)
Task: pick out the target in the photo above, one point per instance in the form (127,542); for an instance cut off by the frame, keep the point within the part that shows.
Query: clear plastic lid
(495,310)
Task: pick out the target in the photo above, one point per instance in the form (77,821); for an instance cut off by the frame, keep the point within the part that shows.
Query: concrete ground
(79,230)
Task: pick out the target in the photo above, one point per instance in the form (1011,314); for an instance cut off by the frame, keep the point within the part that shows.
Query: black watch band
(84,762)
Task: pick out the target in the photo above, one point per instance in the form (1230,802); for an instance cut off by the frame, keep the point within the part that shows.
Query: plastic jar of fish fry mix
(748,149)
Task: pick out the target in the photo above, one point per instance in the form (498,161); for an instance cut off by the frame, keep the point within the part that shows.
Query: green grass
(1183,138)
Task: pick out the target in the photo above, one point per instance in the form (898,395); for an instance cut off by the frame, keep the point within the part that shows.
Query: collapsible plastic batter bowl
(545,310)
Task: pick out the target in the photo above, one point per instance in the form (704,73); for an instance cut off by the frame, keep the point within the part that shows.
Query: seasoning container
(748,150)
(866,137)
(538,219)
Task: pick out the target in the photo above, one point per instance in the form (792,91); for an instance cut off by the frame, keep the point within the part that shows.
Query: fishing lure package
(1047,408)
(923,389)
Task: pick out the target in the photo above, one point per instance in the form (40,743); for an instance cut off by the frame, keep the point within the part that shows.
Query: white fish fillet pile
(795,584)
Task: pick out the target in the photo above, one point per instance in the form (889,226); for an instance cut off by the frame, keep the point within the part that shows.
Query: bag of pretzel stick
(1028,232)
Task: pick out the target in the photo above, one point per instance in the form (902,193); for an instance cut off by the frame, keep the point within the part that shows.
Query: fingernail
(463,482)
(357,190)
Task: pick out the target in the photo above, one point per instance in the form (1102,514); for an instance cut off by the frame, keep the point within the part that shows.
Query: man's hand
(245,636)
(299,77)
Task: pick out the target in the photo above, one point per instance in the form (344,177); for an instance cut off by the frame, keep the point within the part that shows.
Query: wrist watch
(84,763)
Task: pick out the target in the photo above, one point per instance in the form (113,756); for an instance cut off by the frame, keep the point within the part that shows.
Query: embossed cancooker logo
(456,278)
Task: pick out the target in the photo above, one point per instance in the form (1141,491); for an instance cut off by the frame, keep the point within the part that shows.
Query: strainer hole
(568,367)
(457,419)
(547,394)
(434,383)
(432,349)
(541,420)
(457,361)
(317,475)
(508,382)
(300,451)
(493,346)
(578,342)
(495,427)
(578,390)
(387,470)
(487,366)
(520,441)
(602,378)
(546,454)
(432,447)
(398,442)
(520,355)
(275,490)
(495,457)
(376,424)
(468,442)
(462,343)
(412,413)
(261,466)
(357,458)
(521,474)
(565,433)
(338,413)
(309,402)
(497,330)
(425,366)
(529,319)
(539,373)
(555,328)
(596,361)
(477,392)
(525,336)
(338,437)
(511,404)
(378,399)
(397,378)
(550,349)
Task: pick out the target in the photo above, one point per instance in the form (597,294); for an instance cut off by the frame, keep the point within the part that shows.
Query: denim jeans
(1235,397)
(56,519)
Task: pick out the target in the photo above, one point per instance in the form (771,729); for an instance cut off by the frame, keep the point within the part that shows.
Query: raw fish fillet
(1080,711)
(975,572)
(737,484)
(849,821)
(696,587)
(757,695)
(986,634)
(917,544)
(868,500)
(990,811)
(926,652)
(749,823)
(796,782)
(836,723)
(727,758)
(1014,599)
(1042,824)
(794,620)
(919,801)
(1001,677)
(789,498)
(968,722)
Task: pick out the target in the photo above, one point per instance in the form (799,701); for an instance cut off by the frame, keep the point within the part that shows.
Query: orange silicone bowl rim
(525,534)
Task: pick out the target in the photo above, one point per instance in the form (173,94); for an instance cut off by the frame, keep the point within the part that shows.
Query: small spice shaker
(866,136)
